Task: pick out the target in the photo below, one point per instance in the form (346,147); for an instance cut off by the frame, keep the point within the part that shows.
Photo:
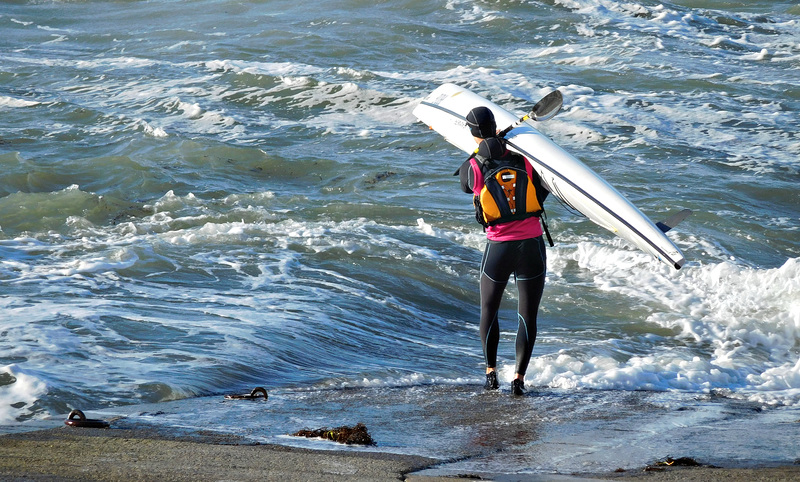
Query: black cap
(481,122)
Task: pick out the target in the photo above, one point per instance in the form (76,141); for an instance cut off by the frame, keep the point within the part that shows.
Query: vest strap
(544,226)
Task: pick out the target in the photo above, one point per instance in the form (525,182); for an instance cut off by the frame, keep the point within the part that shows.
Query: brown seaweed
(670,462)
(357,435)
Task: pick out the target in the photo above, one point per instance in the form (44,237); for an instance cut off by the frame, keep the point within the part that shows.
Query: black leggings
(525,259)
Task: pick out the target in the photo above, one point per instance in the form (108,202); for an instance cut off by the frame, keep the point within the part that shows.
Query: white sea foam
(758,56)
(116,260)
(749,319)
(470,237)
(150,130)
(116,63)
(270,68)
(15,103)
(19,390)
(471,13)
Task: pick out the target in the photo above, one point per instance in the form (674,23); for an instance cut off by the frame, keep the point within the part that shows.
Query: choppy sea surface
(198,197)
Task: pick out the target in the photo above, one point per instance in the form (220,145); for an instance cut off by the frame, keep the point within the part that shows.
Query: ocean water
(198,197)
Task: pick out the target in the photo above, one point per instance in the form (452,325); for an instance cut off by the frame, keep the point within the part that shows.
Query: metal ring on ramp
(255,394)
(84,422)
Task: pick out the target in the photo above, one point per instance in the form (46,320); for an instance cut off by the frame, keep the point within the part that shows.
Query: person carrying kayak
(508,197)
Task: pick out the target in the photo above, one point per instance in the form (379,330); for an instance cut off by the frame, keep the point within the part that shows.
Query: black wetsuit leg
(525,259)
(491,296)
(530,285)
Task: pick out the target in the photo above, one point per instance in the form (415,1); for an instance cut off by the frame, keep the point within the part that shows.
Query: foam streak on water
(195,203)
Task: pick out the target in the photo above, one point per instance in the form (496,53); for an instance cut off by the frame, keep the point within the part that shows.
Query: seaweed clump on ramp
(670,462)
(357,435)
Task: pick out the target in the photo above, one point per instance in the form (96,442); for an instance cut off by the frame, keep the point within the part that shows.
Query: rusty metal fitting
(255,394)
(84,422)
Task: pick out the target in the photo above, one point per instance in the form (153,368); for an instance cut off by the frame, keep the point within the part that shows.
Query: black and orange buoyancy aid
(508,193)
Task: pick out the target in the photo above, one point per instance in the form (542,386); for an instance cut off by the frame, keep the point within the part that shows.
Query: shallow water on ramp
(474,431)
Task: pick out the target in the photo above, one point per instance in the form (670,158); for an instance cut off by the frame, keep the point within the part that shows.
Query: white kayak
(574,183)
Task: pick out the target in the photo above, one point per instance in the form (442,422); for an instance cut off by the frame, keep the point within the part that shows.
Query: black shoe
(491,381)
(517,387)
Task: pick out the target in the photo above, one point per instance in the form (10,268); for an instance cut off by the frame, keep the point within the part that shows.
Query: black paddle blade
(548,106)
(673,220)
(545,109)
